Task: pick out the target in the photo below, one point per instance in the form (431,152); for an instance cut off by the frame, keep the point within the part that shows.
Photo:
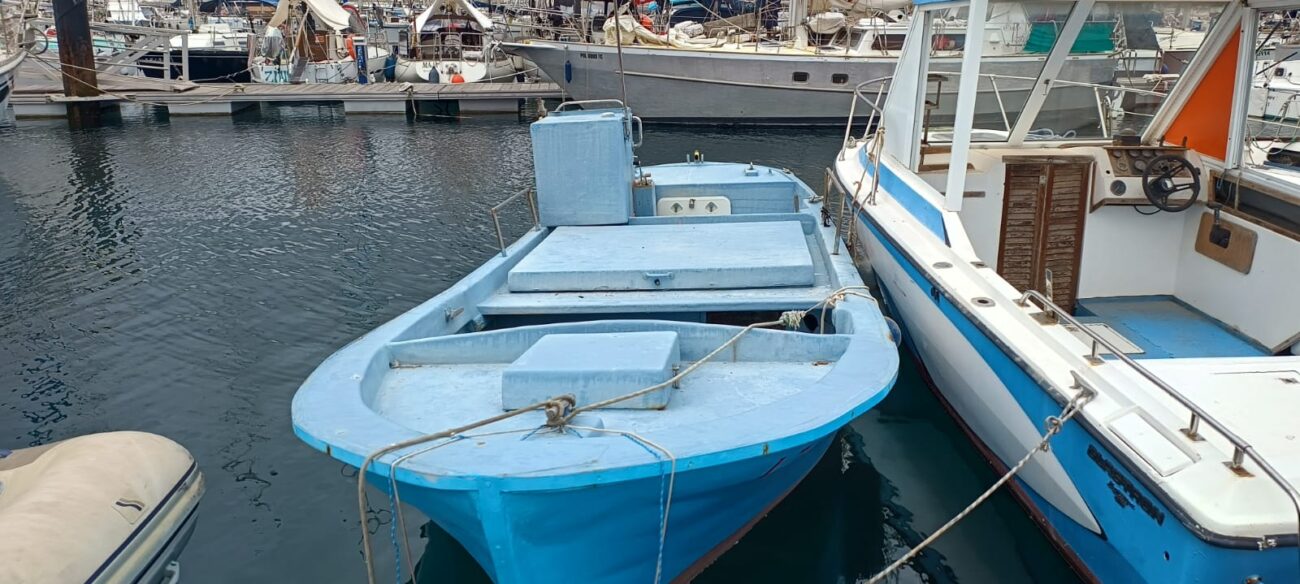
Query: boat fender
(433,75)
(390,67)
(895,331)
(568,71)
(352,48)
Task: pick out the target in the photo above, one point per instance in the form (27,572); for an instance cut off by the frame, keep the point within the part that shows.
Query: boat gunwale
(318,413)
(995,334)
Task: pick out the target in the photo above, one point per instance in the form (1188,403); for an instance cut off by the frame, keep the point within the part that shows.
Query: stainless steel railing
(1241,448)
(880,83)
(530,196)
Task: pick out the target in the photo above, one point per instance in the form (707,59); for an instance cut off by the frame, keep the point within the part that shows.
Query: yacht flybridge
(1133,274)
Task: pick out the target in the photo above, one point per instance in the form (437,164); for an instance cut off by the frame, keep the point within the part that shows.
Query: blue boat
(627,389)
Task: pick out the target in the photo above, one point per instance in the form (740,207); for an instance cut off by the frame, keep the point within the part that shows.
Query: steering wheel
(1161,180)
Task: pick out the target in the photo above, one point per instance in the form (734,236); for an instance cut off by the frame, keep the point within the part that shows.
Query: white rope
(1054,425)
(553,407)
(559,412)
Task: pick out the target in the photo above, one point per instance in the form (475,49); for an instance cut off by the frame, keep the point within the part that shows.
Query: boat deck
(769,262)
(1162,327)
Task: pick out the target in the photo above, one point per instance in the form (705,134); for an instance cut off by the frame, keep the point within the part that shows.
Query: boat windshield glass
(1124,61)
(1017,38)
(1273,124)
(1127,58)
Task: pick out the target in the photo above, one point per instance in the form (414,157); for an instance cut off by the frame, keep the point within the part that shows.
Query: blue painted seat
(593,367)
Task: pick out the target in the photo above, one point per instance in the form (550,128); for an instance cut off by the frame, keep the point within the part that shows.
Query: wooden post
(77,59)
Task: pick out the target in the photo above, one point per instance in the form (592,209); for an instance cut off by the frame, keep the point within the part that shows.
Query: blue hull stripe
(1142,540)
(922,210)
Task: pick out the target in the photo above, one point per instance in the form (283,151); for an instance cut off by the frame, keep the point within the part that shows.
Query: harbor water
(183,277)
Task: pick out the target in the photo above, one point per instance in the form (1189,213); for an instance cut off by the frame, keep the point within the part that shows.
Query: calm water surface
(184,277)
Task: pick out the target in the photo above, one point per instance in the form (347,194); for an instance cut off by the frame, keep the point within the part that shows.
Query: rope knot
(557,410)
(792,319)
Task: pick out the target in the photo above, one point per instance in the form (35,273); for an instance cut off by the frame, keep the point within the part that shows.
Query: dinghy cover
(94,508)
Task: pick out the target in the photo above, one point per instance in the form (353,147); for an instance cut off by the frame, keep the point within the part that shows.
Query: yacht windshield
(1121,65)
(1145,48)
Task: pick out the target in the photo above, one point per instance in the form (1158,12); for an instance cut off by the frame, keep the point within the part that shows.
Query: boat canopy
(460,7)
(326,12)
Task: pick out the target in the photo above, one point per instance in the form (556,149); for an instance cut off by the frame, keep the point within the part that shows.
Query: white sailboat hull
(700,86)
(419,71)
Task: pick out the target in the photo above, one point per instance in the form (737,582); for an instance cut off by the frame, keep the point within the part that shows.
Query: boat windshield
(1273,123)
(1123,62)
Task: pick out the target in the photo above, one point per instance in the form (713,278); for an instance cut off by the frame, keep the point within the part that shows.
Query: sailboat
(452,44)
(1107,310)
(316,41)
(808,73)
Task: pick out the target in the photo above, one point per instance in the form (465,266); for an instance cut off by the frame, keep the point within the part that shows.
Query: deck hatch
(682,256)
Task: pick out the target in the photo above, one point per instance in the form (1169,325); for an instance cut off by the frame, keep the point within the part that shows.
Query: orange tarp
(1204,120)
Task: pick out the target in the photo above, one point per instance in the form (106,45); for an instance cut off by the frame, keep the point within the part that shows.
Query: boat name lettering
(1124,489)
(590,56)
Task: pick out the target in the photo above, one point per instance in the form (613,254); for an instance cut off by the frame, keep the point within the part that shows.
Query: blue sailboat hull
(547,536)
(1142,537)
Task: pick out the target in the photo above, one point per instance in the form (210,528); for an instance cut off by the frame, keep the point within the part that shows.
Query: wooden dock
(39,96)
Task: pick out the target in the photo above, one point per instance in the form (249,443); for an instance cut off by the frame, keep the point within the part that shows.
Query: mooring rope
(553,407)
(1054,425)
(665,500)
(559,412)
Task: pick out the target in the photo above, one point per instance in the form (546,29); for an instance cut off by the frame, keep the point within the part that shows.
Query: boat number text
(1126,494)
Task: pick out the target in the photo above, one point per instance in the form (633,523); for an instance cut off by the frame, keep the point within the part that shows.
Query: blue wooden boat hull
(548,536)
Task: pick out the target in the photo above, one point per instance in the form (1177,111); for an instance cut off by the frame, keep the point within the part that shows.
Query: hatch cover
(667,257)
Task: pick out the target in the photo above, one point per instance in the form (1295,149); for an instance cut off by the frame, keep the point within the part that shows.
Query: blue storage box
(593,367)
(583,163)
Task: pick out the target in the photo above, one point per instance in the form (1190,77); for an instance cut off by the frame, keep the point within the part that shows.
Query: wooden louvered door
(1043,209)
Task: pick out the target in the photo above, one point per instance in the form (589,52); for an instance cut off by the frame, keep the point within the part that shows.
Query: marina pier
(42,98)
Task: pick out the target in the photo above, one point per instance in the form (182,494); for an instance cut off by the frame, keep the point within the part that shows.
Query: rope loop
(792,319)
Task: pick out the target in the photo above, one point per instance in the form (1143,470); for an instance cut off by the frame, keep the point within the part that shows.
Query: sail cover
(462,7)
(326,12)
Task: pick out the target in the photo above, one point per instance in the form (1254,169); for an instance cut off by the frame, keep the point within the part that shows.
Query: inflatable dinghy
(114,507)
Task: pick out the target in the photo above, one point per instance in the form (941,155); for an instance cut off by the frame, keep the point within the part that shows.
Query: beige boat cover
(326,12)
(66,507)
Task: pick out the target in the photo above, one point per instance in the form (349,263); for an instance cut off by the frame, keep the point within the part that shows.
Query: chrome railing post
(1193,429)
(1241,448)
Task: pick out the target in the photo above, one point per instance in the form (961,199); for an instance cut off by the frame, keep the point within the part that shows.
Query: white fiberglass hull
(334,71)
(1276,101)
(419,71)
(736,87)
(8,78)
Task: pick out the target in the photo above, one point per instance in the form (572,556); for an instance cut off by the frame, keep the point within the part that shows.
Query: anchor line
(559,412)
(553,408)
(665,500)
(1054,425)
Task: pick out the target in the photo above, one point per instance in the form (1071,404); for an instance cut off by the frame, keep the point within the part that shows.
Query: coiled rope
(1054,425)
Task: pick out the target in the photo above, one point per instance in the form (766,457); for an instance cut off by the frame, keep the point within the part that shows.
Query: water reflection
(184,277)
